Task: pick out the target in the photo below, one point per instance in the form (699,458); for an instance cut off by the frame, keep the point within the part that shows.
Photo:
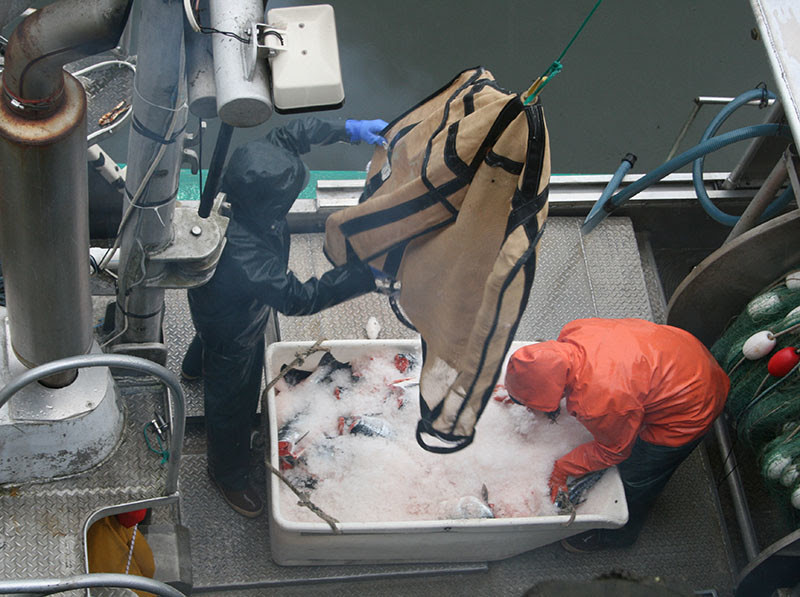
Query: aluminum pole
(155,152)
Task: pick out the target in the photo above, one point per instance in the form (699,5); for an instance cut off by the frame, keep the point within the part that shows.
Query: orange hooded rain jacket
(623,379)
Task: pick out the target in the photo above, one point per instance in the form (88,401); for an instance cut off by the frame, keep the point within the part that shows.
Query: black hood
(262,181)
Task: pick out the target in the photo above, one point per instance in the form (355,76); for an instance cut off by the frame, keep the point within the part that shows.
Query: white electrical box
(303,54)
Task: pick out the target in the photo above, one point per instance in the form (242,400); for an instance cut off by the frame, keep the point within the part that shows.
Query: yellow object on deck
(109,547)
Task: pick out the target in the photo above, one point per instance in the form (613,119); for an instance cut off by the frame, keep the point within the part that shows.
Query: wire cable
(145,179)
(194,23)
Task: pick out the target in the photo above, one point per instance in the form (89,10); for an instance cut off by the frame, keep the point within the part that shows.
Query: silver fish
(577,491)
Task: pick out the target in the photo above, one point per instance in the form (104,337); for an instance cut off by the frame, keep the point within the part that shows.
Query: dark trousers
(192,363)
(644,475)
(231,384)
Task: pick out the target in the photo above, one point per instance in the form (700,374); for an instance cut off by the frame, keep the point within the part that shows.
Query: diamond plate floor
(345,321)
(232,553)
(683,545)
(178,333)
(41,524)
(599,275)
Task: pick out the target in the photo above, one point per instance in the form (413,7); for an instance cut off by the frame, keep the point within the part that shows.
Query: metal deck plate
(232,553)
(683,546)
(599,275)
(683,543)
(41,524)
(178,333)
(342,322)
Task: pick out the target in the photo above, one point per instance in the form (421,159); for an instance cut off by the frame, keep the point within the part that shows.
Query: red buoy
(783,361)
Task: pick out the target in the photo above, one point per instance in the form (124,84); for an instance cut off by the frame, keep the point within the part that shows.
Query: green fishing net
(764,410)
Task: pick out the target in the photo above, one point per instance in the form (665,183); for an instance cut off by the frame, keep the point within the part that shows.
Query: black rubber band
(140,128)
(137,316)
(153,205)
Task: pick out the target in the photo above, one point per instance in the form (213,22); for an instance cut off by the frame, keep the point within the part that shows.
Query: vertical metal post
(155,150)
(765,195)
(738,496)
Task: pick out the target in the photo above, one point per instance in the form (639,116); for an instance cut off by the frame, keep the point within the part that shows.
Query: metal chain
(130,553)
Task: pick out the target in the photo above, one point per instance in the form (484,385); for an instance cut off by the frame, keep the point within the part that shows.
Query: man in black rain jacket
(262,180)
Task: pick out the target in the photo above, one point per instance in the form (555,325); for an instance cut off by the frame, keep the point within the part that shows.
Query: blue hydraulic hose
(627,163)
(697,167)
(679,161)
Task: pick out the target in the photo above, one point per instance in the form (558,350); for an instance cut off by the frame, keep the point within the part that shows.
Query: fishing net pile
(453,209)
(758,351)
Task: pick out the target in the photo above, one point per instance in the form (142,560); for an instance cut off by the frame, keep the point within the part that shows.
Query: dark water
(627,84)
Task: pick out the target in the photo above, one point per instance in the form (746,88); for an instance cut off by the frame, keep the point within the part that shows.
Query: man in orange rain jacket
(648,394)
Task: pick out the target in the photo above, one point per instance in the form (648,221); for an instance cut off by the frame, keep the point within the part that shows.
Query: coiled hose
(697,167)
(609,201)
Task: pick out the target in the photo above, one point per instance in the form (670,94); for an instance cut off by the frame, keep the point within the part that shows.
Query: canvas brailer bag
(453,209)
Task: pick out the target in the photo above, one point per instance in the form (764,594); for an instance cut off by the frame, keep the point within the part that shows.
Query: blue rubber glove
(366,130)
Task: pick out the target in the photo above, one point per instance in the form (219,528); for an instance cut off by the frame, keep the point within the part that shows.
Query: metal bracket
(792,161)
(193,139)
(191,257)
(265,40)
(190,157)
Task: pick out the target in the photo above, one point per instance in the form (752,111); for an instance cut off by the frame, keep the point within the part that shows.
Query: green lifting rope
(556,67)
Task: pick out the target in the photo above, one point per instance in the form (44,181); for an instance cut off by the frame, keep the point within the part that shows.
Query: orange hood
(538,375)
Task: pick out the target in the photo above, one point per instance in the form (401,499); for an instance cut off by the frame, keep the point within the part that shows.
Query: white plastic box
(296,543)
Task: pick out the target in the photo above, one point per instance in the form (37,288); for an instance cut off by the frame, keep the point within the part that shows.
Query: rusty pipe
(51,37)
(44,228)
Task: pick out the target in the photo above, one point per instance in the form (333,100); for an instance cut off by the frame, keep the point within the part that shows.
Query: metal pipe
(699,102)
(177,401)
(215,170)
(775,115)
(44,232)
(241,101)
(51,37)
(200,71)
(749,218)
(740,508)
(155,153)
(49,586)
(44,227)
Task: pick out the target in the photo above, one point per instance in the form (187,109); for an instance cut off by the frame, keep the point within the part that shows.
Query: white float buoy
(789,475)
(758,345)
(775,467)
(793,280)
